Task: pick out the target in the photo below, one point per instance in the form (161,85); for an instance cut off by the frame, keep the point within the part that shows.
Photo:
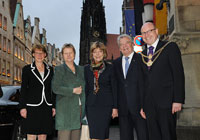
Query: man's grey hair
(122,36)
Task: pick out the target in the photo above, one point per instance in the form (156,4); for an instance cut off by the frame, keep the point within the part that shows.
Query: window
(8,69)
(21,35)
(2,3)
(18,32)
(9,46)
(15,73)
(5,23)
(4,67)
(0,20)
(22,54)
(19,74)
(19,53)
(0,42)
(16,49)
(4,44)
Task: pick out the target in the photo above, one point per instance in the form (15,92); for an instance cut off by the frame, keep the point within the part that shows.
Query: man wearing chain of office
(164,84)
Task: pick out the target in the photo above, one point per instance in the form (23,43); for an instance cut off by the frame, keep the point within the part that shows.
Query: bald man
(164,84)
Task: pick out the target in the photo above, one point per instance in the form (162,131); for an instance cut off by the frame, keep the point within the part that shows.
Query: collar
(33,65)
(154,44)
(130,56)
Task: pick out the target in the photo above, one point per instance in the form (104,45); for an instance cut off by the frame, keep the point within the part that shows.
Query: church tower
(93,27)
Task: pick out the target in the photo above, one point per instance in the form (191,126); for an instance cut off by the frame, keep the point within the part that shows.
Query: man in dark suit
(129,86)
(164,84)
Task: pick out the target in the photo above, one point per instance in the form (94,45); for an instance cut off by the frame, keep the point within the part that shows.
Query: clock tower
(93,27)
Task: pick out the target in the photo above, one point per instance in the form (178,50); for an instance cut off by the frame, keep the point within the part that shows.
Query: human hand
(23,113)
(77,90)
(176,107)
(53,112)
(114,113)
(142,114)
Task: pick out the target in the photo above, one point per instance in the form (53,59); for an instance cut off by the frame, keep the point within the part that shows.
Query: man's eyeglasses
(147,32)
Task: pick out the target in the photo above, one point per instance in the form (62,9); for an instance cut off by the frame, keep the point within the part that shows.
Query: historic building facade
(6,43)
(93,27)
(19,42)
(28,38)
(17,38)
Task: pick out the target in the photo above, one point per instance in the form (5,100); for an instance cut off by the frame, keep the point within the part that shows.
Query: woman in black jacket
(100,90)
(36,100)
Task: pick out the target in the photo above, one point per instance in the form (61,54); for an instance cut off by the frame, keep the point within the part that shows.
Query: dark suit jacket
(106,96)
(33,85)
(164,82)
(129,89)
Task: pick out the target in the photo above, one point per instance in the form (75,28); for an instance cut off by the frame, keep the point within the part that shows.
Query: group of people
(144,90)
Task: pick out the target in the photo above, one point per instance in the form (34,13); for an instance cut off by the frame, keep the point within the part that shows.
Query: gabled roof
(16,14)
(13,4)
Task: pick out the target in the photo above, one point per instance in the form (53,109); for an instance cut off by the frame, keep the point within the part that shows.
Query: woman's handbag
(85,133)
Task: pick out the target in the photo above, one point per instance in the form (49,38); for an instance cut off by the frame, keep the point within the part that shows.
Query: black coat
(164,82)
(33,85)
(130,89)
(106,96)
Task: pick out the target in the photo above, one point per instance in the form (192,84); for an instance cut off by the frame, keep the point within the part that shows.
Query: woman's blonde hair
(99,45)
(39,47)
(68,45)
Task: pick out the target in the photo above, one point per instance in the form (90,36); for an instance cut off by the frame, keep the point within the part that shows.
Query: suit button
(126,85)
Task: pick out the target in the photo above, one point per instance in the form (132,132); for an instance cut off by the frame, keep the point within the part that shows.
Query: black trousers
(130,122)
(161,124)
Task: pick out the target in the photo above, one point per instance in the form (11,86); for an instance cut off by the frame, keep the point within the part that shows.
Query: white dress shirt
(154,45)
(124,61)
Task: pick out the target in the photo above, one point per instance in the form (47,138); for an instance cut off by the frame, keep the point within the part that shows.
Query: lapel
(91,73)
(159,45)
(131,64)
(69,70)
(37,74)
(121,68)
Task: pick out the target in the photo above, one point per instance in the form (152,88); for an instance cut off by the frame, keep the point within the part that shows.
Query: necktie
(150,52)
(126,65)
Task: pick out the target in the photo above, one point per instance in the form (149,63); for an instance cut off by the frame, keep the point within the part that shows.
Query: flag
(130,22)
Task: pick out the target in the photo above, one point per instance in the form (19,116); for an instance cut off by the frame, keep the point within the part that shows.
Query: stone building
(43,38)
(17,37)
(36,31)
(93,27)
(184,29)
(28,37)
(50,53)
(6,43)
(19,41)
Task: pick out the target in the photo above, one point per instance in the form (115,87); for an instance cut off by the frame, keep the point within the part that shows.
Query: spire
(93,27)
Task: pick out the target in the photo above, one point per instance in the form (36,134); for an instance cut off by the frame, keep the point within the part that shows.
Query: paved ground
(183,133)
(114,133)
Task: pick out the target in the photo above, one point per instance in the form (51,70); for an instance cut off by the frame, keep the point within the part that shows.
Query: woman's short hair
(68,45)
(99,45)
(39,47)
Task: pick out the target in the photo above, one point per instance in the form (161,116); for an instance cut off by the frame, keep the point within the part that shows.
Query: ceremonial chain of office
(150,62)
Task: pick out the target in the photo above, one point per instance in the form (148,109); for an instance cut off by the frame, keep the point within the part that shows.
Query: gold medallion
(150,56)
(149,63)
